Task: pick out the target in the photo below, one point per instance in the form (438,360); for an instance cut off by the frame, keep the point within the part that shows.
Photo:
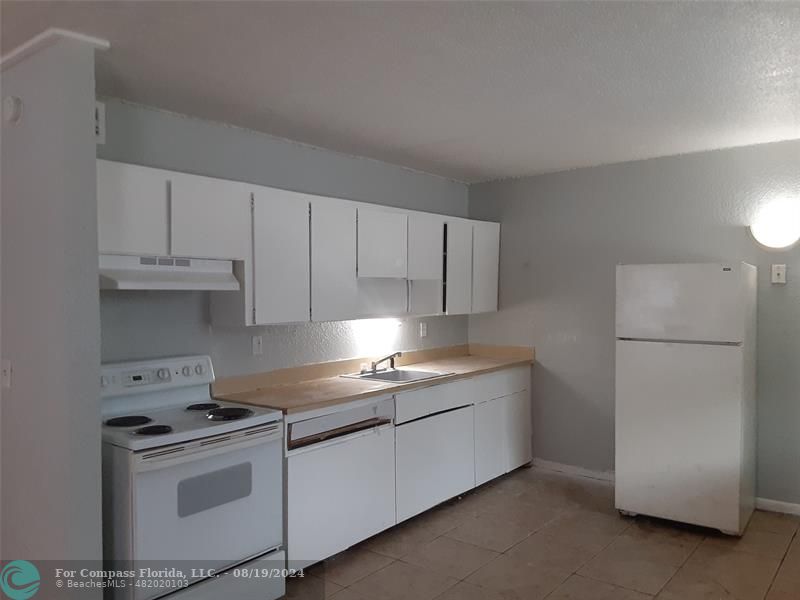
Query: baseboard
(548,465)
(777,506)
(766,504)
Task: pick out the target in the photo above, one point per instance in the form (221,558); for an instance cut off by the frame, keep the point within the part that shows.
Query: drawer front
(269,585)
(431,400)
(502,383)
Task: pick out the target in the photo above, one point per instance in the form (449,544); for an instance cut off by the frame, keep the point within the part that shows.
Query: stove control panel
(119,379)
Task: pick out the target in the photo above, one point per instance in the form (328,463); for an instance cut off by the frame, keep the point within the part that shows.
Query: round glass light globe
(777,224)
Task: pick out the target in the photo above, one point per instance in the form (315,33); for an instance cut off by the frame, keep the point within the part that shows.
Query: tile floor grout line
(780,564)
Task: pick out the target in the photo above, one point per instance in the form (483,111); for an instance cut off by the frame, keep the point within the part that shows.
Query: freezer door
(679,419)
(689,302)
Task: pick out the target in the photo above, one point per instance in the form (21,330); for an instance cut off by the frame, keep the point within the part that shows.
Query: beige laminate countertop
(329,391)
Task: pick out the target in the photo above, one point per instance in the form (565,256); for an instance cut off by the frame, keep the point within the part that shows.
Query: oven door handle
(163,458)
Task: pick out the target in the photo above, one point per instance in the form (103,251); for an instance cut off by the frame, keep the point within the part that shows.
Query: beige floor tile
(310,587)
(446,517)
(499,530)
(582,588)
(351,565)
(787,581)
(402,581)
(466,591)
(399,541)
(638,563)
(587,529)
(715,572)
(775,594)
(348,594)
(550,552)
(515,579)
(450,557)
(755,541)
(657,530)
(774,522)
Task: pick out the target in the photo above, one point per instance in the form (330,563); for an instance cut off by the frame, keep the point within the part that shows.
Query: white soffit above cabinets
(468,90)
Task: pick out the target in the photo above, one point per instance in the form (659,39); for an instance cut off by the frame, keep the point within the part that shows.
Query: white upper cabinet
(281,260)
(425,246)
(210,218)
(334,289)
(458,275)
(485,261)
(132,209)
(382,243)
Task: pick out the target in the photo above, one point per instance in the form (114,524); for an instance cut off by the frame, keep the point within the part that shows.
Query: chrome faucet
(390,358)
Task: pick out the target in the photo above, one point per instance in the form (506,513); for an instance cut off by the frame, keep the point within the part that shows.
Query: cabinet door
(458,286)
(382,243)
(425,246)
(339,493)
(132,209)
(485,260)
(281,260)
(210,218)
(517,414)
(490,440)
(334,292)
(435,460)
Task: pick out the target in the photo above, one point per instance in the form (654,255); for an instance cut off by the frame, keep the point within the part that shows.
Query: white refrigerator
(685,393)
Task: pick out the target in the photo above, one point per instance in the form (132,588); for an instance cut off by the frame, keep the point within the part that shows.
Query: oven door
(213,502)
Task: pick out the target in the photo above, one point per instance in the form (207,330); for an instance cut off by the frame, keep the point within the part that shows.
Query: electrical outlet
(778,273)
(423,329)
(258,345)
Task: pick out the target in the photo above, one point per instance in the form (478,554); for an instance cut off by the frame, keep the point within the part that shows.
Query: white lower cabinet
(435,460)
(490,451)
(517,412)
(339,493)
(502,435)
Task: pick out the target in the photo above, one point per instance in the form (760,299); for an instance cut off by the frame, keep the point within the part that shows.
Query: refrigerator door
(679,429)
(682,302)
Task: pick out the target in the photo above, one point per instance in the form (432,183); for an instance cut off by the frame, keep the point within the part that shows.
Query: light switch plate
(423,329)
(778,273)
(258,345)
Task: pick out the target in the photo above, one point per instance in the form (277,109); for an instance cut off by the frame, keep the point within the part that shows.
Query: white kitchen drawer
(246,586)
(430,400)
(502,383)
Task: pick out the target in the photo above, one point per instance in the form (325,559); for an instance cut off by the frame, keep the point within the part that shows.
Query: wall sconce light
(777,223)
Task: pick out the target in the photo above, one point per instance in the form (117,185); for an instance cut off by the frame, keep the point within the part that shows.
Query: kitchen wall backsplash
(155,323)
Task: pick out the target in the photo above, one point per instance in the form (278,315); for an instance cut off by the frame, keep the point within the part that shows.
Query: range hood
(118,272)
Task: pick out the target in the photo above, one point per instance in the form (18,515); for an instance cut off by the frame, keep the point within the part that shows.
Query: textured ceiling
(468,90)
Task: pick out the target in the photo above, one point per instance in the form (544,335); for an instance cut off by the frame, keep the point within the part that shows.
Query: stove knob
(162,374)
(187,370)
(200,369)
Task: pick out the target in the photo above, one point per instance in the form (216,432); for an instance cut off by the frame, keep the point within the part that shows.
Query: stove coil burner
(153,430)
(129,421)
(230,413)
(203,406)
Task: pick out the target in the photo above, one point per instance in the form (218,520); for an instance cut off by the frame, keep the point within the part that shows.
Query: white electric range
(192,486)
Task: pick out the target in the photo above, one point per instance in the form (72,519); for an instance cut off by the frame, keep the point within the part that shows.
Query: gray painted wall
(563,234)
(51,480)
(149,324)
